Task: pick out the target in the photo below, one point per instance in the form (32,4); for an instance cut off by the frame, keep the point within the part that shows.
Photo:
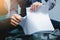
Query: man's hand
(35,5)
(15,19)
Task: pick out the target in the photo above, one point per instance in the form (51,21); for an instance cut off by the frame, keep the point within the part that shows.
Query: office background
(55,12)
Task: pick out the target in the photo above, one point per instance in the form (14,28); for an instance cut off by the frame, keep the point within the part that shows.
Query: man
(33,4)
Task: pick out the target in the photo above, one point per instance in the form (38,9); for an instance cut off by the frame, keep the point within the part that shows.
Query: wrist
(12,12)
(23,14)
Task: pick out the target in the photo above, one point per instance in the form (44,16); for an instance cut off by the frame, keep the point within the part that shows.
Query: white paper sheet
(37,21)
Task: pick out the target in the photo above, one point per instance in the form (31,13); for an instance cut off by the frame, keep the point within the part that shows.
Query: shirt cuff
(12,12)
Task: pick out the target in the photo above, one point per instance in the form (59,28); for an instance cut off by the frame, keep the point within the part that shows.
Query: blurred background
(55,12)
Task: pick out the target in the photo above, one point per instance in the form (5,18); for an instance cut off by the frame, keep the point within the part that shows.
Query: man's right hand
(15,19)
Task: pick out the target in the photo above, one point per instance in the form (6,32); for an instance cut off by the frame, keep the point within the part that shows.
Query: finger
(18,17)
(32,7)
(39,5)
(13,18)
(35,7)
(12,21)
(13,24)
